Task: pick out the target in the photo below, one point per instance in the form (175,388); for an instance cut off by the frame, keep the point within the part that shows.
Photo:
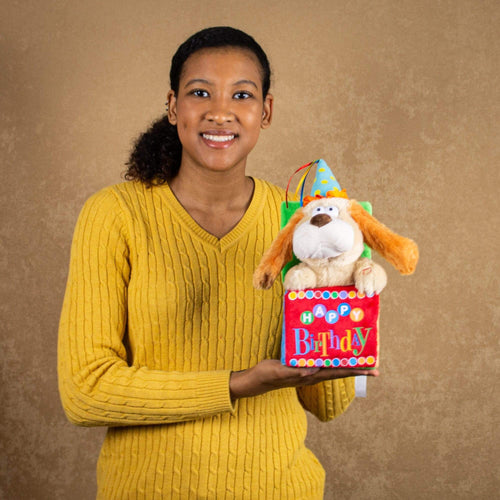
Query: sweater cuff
(215,395)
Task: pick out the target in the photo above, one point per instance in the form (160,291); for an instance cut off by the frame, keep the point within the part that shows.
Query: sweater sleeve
(328,399)
(96,384)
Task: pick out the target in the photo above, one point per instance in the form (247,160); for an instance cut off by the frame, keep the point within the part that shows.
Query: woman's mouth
(218,140)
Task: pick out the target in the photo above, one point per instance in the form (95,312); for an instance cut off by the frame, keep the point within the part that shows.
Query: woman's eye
(242,95)
(199,93)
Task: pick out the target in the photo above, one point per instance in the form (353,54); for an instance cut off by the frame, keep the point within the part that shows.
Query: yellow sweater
(157,313)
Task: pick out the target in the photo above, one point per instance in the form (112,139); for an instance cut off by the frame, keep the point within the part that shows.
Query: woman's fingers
(270,374)
(333,373)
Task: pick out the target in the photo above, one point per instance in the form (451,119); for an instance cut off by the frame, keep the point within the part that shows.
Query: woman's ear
(278,254)
(267,111)
(401,252)
(172,107)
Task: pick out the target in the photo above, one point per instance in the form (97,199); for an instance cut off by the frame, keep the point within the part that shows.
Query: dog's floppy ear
(401,252)
(277,255)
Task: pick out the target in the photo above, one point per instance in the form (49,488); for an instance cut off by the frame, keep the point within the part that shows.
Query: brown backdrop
(402,100)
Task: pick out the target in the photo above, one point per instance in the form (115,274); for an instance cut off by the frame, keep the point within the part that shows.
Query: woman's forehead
(236,62)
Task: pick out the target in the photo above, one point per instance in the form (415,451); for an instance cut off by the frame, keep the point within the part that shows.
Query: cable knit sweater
(157,313)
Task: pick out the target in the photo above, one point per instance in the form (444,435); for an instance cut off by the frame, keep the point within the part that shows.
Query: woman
(162,337)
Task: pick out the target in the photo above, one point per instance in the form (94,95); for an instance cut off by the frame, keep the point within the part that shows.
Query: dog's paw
(299,278)
(369,278)
(263,279)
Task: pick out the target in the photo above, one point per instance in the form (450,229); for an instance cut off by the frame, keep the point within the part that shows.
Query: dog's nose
(320,220)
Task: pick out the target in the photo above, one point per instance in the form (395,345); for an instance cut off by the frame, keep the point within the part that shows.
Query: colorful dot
(343,295)
(302,362)
(352,294)
(357,314)
(292,295)
(326,295)
(317,192)
(321,169)
(317,294)
(332,317)
(370,360)
(344,362)
(293,362)
(336,362)
(324,181)
(361,295)
(361,361)
(301,294)
(344,309)
(319,311)
(318,362)
(309,294)
(307,317)
(328,362)
(353,361)
(310,362)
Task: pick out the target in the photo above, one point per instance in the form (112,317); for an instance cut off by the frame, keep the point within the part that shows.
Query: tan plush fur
(278,254)
(342,267)
(401,252)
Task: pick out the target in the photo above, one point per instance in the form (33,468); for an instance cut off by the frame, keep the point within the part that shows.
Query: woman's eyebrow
(250,82)
(207,82)
(197,80)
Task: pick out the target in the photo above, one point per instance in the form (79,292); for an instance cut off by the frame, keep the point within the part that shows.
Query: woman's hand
(270,374)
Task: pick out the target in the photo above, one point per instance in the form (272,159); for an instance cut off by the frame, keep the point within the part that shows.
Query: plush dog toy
(327,236)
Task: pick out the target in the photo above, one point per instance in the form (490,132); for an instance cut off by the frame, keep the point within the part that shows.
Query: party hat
(325,180)
(325,184)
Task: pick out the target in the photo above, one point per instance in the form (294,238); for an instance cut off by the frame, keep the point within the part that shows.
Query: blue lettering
(301,345)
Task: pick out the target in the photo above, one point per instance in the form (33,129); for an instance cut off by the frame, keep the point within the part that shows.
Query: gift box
(330,327)
(333,326)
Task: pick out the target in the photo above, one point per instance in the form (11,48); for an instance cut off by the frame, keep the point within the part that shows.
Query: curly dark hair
(156,156)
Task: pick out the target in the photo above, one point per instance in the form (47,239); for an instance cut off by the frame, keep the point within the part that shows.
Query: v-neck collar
(255,207)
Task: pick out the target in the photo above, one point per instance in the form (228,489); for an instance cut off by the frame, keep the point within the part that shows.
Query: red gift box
(330,327)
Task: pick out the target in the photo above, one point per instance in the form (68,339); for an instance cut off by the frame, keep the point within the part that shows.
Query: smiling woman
(219,111)
(219,108)
(162,336)
(157,154)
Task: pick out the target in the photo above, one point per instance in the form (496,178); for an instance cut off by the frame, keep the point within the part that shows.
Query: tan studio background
(401,98)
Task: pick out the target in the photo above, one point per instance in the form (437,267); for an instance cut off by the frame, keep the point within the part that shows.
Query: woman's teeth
(218,138)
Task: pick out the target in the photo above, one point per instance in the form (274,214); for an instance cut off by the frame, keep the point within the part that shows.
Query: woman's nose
(219,112)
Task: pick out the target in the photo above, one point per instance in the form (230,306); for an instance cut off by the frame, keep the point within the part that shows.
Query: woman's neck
(215,200)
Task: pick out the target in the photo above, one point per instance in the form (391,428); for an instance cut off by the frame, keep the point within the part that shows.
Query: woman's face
(219,108)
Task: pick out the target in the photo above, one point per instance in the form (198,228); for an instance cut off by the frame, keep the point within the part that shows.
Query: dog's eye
(333,211)
(319,210)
